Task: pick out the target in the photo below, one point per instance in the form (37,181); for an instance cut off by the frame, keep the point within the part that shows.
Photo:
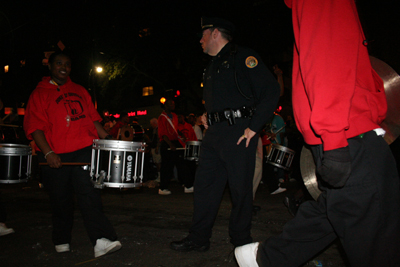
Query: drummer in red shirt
(171,147)
(61,119)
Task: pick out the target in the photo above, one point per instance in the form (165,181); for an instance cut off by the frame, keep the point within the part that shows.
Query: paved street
(145,222)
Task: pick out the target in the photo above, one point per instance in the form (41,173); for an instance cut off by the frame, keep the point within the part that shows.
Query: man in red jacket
(339,103)
(61,119)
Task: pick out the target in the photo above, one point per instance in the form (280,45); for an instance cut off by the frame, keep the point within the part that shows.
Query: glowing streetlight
(99,69)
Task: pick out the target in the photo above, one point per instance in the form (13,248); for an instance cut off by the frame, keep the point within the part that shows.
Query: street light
(92,83)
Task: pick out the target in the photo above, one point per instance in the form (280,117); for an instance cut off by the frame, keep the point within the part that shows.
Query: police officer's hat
(207,23)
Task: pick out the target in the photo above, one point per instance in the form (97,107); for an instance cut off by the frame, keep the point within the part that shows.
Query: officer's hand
(54,160)
(336,167)
(277,70)
(248,134)
(204,120)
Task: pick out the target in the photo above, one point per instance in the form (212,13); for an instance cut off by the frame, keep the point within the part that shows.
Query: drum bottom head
(122,185)
(280,156)
(278,165)
(14,181)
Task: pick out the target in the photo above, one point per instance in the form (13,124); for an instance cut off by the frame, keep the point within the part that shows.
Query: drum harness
(230,114)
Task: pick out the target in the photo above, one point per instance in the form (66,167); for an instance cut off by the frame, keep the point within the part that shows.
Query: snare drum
(117,164)
(15,163)
(280,156)
(192,150)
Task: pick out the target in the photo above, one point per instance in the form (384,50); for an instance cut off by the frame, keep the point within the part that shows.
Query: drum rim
(118,145)
(9,149)
(284,148)
(193,143)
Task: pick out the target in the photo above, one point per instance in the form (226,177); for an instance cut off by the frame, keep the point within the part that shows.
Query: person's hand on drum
(54,160)
(172,147)
(272,136)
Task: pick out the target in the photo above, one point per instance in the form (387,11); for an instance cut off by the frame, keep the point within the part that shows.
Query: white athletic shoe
(164,192)
(246,255)
(189,190)
(279,190)
(62,248)
(4,230)
(104,246)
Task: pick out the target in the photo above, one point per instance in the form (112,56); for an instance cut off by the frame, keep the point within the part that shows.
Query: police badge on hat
(251,62)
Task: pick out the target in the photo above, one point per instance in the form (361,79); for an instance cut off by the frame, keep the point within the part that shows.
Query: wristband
(48,153)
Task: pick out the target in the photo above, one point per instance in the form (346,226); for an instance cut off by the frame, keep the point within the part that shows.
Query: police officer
(240,95)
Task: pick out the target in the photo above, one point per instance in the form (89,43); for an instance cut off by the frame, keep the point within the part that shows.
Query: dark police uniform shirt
(258,86)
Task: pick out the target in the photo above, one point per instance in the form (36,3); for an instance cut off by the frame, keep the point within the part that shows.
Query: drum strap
(173,127)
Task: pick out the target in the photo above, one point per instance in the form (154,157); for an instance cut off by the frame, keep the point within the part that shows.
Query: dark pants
(364,214)
(170,159)
(222,161)
(61,184)
(3,212)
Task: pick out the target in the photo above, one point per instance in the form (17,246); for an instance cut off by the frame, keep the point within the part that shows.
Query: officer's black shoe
(188,245)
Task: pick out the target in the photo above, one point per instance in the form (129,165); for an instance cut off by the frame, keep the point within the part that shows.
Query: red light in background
(21,111)
(117,115)
(7,110)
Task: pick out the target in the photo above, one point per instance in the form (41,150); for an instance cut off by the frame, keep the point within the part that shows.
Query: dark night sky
(87,27)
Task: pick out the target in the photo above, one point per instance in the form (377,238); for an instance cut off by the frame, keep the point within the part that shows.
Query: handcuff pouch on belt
(230,115)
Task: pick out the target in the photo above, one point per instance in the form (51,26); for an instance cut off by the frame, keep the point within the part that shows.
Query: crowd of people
(338,103)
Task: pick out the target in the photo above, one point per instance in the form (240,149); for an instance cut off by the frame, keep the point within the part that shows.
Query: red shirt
(48,108)
(336,93)
(187,130)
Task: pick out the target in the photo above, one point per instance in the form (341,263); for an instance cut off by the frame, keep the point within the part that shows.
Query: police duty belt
(230,115)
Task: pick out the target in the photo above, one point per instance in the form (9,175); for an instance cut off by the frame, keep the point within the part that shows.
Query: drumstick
(67,163)
(269,137)
(178,148)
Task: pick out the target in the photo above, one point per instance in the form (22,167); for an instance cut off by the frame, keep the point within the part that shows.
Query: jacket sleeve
(162,127)
(329,35)
(36,117)
(266,90)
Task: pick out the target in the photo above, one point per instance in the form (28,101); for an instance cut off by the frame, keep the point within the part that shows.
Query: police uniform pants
(364,214)
(61,184)
(222,161)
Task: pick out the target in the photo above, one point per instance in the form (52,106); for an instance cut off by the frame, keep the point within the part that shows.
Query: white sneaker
(164,192)
(279,190)
(4,230)
(62,248)
(189,190)
(246,255)
(104,246)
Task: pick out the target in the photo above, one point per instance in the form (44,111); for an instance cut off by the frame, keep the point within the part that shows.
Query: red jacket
(336,93)
(47,110)
(165,128)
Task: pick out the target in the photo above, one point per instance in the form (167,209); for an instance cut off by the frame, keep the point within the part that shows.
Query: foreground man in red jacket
(339,103)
